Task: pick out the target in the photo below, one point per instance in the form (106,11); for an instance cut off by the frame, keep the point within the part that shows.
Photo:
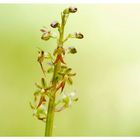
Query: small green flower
(72,50)
(68,99)
(46,34)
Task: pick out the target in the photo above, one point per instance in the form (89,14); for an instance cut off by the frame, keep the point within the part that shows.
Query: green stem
(51,106)
(50,117)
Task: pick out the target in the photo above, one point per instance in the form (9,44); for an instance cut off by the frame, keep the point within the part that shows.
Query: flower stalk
(45,99)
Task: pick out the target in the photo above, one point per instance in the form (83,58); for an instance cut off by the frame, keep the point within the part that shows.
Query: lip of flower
(59,58)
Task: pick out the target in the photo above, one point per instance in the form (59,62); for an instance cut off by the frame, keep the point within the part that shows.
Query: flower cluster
(61,74)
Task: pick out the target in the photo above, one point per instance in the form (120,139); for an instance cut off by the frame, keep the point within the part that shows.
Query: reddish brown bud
(55,24)
(72,9)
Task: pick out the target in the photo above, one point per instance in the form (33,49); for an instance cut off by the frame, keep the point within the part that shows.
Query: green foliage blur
(107,64)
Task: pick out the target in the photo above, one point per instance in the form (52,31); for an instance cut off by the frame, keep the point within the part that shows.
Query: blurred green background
(107,66)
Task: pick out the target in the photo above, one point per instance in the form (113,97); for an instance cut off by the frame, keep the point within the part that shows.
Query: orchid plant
(50,96)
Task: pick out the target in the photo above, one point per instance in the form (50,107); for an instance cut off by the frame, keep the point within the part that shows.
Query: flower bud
(78,35)
(55,24)
(72,9)
(46,34)
(72,50)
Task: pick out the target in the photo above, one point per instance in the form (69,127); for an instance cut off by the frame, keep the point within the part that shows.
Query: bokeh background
(107,66)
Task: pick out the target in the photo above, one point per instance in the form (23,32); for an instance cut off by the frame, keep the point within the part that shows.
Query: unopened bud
(55,24)
(72,50)
(78,35)
(46,36)
(72,9)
